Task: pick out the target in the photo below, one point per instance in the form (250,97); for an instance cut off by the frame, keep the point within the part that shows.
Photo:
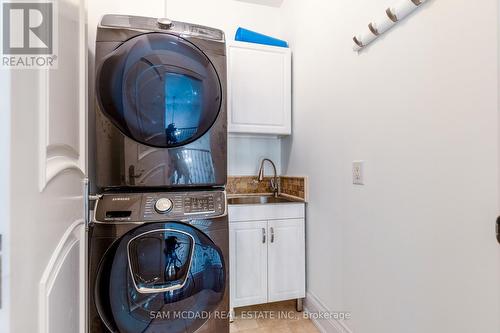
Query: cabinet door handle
(272,235)
(263,235)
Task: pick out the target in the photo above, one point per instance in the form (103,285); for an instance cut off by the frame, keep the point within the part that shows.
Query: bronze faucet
(274,180)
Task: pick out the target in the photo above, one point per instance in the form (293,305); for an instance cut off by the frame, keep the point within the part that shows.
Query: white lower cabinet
(248,262)
(286,260)
(267,257)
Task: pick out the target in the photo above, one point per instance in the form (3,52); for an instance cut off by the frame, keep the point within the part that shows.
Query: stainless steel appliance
(158,242)
(160,104)
(158,263)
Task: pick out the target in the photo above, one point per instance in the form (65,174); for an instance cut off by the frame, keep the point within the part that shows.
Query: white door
(248,263)
(45,240)
(286,260)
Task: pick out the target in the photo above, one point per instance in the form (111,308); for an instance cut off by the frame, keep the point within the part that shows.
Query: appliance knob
(164,23)
(163,205)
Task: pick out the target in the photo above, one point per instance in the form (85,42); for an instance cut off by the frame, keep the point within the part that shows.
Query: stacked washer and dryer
(158,242)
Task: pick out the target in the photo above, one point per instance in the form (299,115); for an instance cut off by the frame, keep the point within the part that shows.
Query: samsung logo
(120,199)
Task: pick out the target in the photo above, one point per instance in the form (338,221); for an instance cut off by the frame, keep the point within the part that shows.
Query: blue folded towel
(249,36)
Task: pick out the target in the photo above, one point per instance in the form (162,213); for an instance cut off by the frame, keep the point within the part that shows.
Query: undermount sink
(258,200)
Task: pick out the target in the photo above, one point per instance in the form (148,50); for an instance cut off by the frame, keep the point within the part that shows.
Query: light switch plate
(358,173)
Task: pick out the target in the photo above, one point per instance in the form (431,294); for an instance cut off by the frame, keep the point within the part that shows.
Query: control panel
(160,206)
(162,25)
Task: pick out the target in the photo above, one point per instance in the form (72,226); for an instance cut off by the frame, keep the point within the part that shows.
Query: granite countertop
(292,189)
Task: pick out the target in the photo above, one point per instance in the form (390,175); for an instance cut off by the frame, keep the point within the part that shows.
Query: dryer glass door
(160,90)
(161,277)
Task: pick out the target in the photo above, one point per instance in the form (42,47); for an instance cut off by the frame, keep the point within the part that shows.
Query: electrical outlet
(358,173)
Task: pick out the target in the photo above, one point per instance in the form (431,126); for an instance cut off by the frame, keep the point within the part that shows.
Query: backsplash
(294,186)
(248,185)
(289,186)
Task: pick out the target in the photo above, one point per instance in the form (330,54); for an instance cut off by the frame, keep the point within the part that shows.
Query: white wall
(244,153)
(414,249)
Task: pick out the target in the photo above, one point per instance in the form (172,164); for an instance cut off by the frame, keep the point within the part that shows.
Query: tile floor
(278,317)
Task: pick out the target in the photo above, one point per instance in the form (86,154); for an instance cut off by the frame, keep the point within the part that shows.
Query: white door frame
(4,199)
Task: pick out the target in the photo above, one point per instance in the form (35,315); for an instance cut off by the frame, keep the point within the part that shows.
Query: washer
(160,109)
(158,263)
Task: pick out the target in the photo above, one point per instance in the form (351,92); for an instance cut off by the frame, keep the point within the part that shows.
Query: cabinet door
(259,82)
(248,263)
(286,260)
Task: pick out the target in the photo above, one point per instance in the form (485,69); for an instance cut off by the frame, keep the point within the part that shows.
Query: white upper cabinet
(259,89)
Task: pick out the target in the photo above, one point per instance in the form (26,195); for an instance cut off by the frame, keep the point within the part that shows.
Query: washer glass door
(159,89)
(161,277)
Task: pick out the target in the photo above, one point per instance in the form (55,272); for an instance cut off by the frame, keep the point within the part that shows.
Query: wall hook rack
(392,16)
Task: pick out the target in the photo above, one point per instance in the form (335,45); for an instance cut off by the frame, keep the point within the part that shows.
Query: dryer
(160,104)
(157,263)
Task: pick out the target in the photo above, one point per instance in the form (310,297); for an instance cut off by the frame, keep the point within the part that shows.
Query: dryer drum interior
(160,90)
(166,277)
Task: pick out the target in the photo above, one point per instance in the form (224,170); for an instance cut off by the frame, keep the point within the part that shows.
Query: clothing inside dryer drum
(160,90)
(173,256)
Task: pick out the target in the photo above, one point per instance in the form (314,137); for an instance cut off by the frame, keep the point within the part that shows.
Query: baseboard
(313,305)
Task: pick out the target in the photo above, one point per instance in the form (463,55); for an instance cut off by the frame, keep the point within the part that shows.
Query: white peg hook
(391,17)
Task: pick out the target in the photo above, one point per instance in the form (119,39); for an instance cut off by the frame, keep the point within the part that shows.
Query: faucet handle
(274,185)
